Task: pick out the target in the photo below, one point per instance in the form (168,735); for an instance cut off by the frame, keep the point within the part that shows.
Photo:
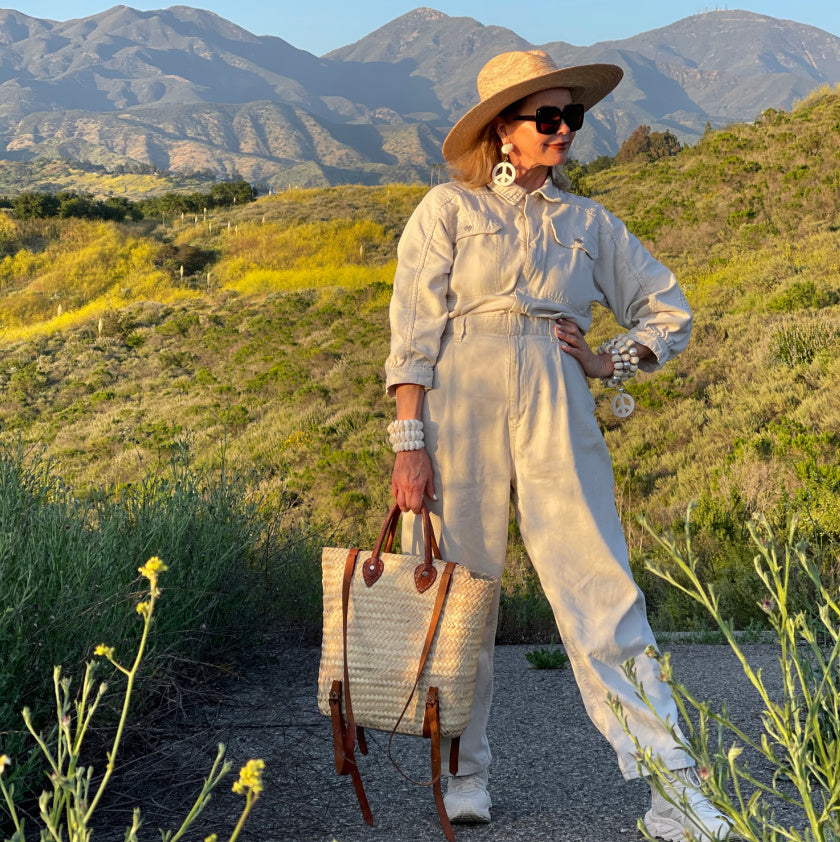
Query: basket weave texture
(387,626)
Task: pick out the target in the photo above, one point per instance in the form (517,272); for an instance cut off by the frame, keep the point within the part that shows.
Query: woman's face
(531,149)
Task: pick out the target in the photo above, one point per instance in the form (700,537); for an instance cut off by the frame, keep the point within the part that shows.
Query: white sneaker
(692,815)
(466,798)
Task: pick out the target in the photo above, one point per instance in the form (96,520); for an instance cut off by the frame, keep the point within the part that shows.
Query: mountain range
(185,90)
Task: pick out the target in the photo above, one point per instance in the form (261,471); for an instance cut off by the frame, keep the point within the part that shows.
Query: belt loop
(459,328)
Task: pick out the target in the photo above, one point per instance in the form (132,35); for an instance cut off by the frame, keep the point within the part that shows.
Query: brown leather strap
(389,538)
(454,748)
(425,574)
(434,622)
(344,764)
(349,567)
(431,729)
(349,731)
(337,726)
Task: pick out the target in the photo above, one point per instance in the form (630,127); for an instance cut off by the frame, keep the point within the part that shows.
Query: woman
(496,277)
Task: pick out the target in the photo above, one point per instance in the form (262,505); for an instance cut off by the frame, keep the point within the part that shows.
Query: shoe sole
(469,817)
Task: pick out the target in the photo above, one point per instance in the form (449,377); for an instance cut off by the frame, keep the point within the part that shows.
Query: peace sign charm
(504,174)
(623,405)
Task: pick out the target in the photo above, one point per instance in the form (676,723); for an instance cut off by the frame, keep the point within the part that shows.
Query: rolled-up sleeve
(643,294)
(418,310)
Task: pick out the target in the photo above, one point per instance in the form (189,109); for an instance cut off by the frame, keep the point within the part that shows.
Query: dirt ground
(554,777)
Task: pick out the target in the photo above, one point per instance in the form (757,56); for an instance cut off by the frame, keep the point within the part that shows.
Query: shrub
(68,558)
(801,724)
(75,796)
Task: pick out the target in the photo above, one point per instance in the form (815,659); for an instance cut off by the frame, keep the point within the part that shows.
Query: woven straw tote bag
(400,645)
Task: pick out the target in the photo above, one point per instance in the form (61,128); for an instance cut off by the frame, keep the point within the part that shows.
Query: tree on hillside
(643,144)
(232,193)
(35,205)
(576,172)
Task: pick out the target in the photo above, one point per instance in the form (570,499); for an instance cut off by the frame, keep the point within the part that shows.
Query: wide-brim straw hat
(511,76)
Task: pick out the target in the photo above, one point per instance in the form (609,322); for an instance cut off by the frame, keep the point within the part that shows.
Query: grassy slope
(276,357)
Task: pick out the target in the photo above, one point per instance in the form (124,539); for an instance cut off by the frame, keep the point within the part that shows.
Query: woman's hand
(573,343)
(412,479)
(594,365)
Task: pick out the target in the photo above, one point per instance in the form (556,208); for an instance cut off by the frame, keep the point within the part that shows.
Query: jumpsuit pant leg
(511,414)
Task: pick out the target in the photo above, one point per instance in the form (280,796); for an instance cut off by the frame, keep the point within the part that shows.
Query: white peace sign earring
(504,173)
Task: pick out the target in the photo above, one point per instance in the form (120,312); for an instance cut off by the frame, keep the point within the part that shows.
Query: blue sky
(323,25)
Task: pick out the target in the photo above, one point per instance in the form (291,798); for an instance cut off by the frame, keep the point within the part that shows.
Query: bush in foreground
(67,562)
(800,740)
(75,795)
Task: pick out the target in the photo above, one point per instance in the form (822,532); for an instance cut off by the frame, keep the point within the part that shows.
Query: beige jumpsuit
(481,277)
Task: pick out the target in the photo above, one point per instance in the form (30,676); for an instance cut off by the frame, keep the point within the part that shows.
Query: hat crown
(508,69)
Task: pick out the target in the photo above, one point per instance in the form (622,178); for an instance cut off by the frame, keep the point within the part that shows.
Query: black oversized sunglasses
(549,117)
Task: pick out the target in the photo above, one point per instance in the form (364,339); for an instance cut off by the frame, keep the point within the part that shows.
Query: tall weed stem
(800,740)
(68,810)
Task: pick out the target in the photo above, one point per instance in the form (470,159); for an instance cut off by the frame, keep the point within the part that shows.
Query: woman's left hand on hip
(573,343)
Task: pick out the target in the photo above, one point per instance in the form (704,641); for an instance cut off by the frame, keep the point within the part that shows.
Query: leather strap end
(361,739)
(431,722)
(454,748)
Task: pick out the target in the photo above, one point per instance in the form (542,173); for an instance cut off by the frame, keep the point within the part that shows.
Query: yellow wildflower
(212,838)
(143,608)
(151,568)
(104,651)
(5,761)
(250,778)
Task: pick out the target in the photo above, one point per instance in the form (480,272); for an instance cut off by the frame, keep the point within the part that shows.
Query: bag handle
(425,573)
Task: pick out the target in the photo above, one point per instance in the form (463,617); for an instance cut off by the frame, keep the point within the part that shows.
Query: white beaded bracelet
(625,360)
(406,434)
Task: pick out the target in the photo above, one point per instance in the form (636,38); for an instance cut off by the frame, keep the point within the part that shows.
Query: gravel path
(554,777)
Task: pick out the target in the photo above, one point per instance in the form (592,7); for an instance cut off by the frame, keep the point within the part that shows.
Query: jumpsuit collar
(514,193)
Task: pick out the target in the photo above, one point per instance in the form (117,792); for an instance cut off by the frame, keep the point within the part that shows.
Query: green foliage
(68,558)
(76,794)
(645,145)
(547,658)
(184,258)
(800,724)
(69,203)
(221,195)
(35,205)
(801,295)
(803,339)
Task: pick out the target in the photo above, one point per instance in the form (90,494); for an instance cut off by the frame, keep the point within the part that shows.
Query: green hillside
(137,181)
(269,349)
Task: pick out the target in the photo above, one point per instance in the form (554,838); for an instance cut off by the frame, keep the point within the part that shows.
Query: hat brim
(588,84)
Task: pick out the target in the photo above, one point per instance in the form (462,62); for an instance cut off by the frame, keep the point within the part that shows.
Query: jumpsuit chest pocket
(582,245)
(569,270)
(477,256)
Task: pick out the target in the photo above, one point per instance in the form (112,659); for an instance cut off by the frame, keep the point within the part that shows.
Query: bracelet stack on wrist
(625,360)
(406,434)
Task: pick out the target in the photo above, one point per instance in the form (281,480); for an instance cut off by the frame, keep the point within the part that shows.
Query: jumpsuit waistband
(502,323)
